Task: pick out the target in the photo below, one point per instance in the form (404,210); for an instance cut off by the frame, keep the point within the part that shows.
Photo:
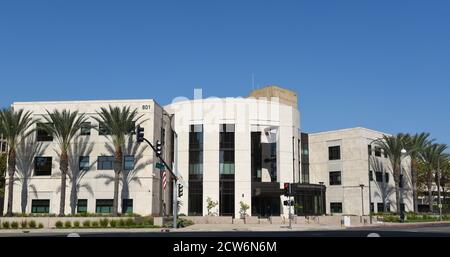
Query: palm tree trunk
(63,166)
(430,190)
(117,171)
(73,195)
(11,171)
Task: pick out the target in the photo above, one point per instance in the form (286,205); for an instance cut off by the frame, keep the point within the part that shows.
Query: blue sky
(381,64)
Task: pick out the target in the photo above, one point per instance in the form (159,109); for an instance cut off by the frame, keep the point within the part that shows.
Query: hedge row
(22,225)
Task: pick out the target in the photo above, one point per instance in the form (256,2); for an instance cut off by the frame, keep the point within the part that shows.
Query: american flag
(164,180)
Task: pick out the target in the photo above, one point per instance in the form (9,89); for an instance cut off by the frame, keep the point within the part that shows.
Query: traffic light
(158,148)
(139,134)
(287,189)
(180,190)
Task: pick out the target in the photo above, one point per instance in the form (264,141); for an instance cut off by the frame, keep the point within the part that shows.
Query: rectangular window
(401,182)
(335,178)
(104,206)
(336,207)
(105,163)
(370,175)
(380,208)
(85,129)
(379,176)
(82,205)
(127,206)
(40,206)
(103,131)
(43,166)
(195,200)
(369,149)
(128,162)
(334,153)
(84,163)
(42,134)
(377,152)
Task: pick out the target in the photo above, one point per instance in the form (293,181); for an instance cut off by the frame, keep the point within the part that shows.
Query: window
(127,206)
(40,206)
(370,175)
(85,129)
(82,206)
(103,130)
(105,163)
(372,208)
(377,152)
(401,182)
(334,153)
(84,163)
(226,170)
(226,162)
(104,206)
(43,166)
(380,208)
(128,162)
(42,134)
(369,148)
(335,178)
(336,207)
(379,176)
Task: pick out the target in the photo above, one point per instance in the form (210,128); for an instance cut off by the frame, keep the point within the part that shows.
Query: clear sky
(381,64)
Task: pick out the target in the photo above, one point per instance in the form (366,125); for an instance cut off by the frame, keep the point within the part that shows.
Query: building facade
(228,151)
(90,179)
(341,160)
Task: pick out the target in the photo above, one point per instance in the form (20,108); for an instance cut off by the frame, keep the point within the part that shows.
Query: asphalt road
(425,231)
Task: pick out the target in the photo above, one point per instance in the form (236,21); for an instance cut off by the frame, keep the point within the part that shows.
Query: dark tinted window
(40,206)
(84,163)
(85,129)
(105,163)
(42,134)
(335,178)
(336,207)
(334,153)
(43,166)
(128,162)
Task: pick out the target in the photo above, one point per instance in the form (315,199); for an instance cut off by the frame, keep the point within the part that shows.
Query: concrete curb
(404,225)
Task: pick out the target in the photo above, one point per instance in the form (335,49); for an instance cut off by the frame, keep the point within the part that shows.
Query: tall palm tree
(392,146)
(118,123)
(64,125)
(15,126)
(431,156)
(415,144)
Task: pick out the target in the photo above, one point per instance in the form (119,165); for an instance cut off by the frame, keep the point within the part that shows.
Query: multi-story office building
(91,160)
(341,160)
(228,150)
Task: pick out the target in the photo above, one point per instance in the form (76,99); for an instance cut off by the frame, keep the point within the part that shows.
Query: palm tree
(431,156)
(415,144)
(15,126)
(64,125)
(118,123)
(393,146)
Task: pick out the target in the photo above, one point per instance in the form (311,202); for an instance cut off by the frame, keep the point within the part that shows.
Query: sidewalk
(257,227)
(403,225)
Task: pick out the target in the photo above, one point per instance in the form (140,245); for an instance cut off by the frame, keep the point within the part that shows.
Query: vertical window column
(226,170)
(195,195)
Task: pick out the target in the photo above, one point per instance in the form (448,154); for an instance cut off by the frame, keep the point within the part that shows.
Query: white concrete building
(90,182)
(228,150)
(340,159)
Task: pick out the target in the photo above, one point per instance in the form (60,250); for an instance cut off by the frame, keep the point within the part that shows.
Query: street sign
(160,166)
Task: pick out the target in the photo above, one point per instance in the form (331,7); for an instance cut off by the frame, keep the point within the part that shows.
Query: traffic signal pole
(141,138)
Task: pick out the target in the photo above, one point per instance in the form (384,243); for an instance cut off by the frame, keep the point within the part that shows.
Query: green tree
(64,126)
(431,156)
(119,123)
(15,126)
(416,144)
(392,146)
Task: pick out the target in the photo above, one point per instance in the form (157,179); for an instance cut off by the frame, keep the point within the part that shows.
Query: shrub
(95,224)
(121,223)
(5,224)
(87,223)
(129,222)
(23,224)
(32,224)
(58,224)
(113,223)
(68,224)
(76,224)
(41,225)
(104,223)
(14,225)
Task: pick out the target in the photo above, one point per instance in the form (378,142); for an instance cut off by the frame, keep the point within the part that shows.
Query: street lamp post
(362,201)
(439,189)
(402,211)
